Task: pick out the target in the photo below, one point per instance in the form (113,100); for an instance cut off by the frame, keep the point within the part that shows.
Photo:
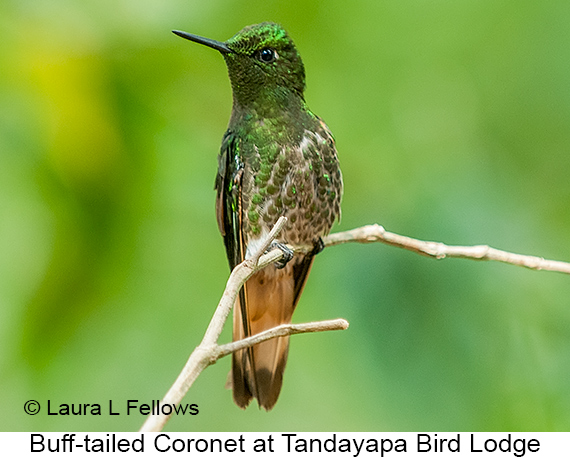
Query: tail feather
(270,297)
(241,391)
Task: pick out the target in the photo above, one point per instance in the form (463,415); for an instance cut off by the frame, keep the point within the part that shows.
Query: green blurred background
(452,121)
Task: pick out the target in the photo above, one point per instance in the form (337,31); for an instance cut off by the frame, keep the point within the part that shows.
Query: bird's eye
(267,55)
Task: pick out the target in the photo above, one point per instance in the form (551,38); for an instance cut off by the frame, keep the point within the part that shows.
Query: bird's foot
(318,246)
(287,254)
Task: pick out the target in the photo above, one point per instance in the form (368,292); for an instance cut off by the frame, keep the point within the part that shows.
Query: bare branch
(270,238)
(377,233)
(281,330)
(208,352)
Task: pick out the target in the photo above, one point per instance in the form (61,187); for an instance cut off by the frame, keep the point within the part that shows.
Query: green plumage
(277,159)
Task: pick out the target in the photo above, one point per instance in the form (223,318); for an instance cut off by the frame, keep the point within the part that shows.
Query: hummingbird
(277,159)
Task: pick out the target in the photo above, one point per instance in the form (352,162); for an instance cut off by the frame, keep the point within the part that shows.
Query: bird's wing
(228,198)
(229,214)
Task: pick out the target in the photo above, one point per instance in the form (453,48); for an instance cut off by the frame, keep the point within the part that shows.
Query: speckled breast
(302,182)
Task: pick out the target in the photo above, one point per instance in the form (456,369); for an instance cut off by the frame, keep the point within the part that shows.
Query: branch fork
(209,351)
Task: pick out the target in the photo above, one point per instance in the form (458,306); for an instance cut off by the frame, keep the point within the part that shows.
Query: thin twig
(281,330)
(208,351)
(377,233)
(270,238)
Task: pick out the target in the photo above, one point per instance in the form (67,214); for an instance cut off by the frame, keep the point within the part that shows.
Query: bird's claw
(318,247)
(287,254)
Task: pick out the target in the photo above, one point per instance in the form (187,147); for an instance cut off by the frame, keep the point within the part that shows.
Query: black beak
(220,46)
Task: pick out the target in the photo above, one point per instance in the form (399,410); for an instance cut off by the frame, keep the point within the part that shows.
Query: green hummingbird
(277,159)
